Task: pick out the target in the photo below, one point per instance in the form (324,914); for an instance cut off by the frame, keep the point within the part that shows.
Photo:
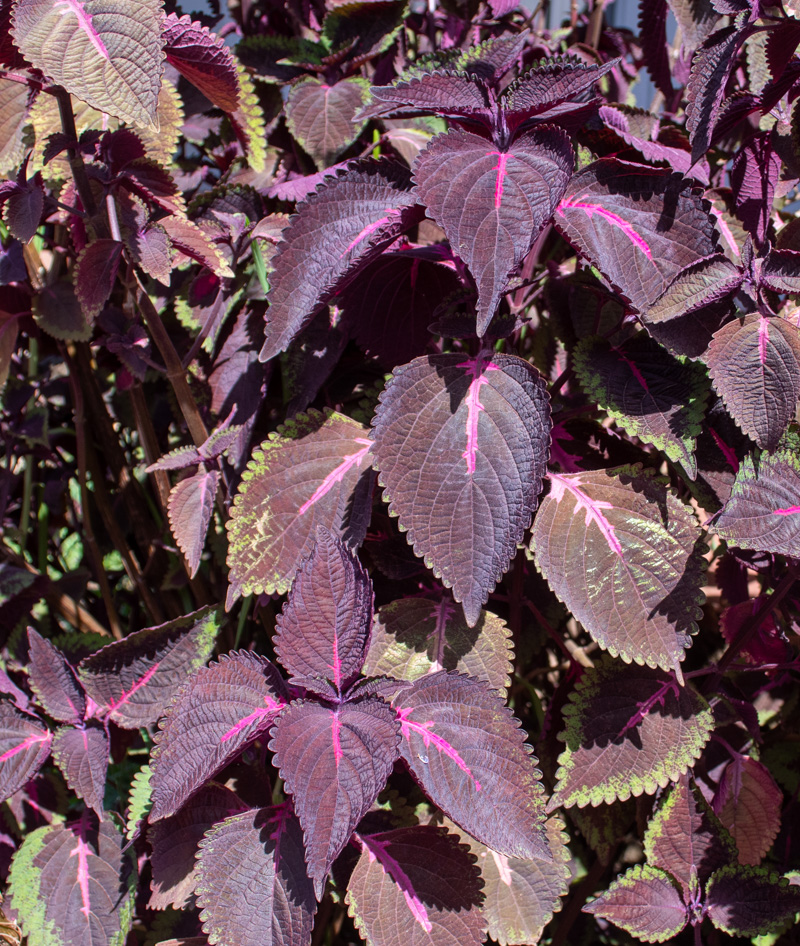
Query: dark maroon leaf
(334,761)
(371,204)
(781,271)
(750,901)
(95,273)
(221,709)
(322,633)
(705,90)
(748,803)
(251,880)
(641,227)
(416,886)
(702,284)
(53,680)
(134,679)
(552,89)
(190,505)
(463,441)
(24,745)
(175,843)
(468,753)
(754,176)
(492,203)
(644,901)
(767,645)
(202,58)
(437,93)
(653,37)
(23,208)
(321,116)
(82,756)
(311,357)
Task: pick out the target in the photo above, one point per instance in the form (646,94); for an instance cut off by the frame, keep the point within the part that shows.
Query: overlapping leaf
(705,90)
(468,753)
(436,92)
(203,58)
(95,271)
(24,745)
(552,89)
(644,901)
(314,471)
(748,803)
(82,756)
(461,446)
(629,731)
(492,203)
(321,116)
(190,505)
(625,556)
(53,680)
(219,711)
(780,271)
(750,901)
(699,285)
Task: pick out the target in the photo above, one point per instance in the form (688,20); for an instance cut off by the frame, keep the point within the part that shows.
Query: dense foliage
(387,398)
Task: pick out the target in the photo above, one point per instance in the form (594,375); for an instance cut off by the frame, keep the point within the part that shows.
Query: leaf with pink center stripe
(221,709)
(24,745)
(626,557)
(323,630)
(469,754)
(334,761)
(82,755)
(461,446)
(493,203)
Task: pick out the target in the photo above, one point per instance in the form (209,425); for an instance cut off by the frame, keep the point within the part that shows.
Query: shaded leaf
(750,901)
(24,745)
(82,756)
(190,506)
(705,90)
(552,89)
(768,644)
(58,312)
(696,18)
(192,242)
(754,177)
(95,273)
(320,116)
(24,203)
(645,902)
(781,270)
(748,803)
(653,37)
(699,285)
(203,58)
(53,680)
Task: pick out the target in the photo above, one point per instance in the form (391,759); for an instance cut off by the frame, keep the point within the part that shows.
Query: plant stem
(76,164)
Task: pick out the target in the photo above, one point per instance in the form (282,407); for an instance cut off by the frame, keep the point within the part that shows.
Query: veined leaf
(320,116)
(16,101)
(190,505)
(644,901)
(750,901)
(463,441)
(444,93)
(705,90)
(552,89)
(203,58)
(748,803)
(95,273)
(82,756)
(699,285)
(53,680)
(24,745)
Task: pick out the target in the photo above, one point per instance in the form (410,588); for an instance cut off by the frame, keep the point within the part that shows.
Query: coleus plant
(522,364)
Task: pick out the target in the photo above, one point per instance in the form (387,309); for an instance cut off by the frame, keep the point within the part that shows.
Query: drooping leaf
(463,441)
(106,52)
(748,803)
(781,270)
(137,677)
(72,885)
(639,226)
(414,636)
(321,116)
(314,471)
(24,745)
(82,756)
(175,843)
(416,886)
(754,363)
(347,223)
(468,752)
(643,549)
(629,731)
(190,505)
(699,285)
(248,122)
(252,884)
(322,633)
(705,90)
(57,310)
(203,58)
(647,391)
(23,206)
(53,680)
(334,761)
(95,272)
(644,901)
(493,203)
(754,177)
(750,901)
(221,709)
(653,37)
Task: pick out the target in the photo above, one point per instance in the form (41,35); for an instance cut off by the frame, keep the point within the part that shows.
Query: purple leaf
(702,284)
(436,93)
(252,883)
(552,89)
(134,679)
(203,58)
(315,471)
(754,176)
(347,223)
(53,680)
(644,901)
(190,506)
(468,752)
(107,54)
(653,37)
(58,312)
(705,90)
(221,709)
(310,359)
(492,203)
(781,270)
(641,545)
(415,636)
(640,226)
(754,363)
(463,441)
(748,803)
(72,884)
(82,756)
(175,843)
(416,886)
(193,243)
(334,761)
(320,116)
(24,745)
(768,644)
(301,187)
(178,459)
(322,633)
(23,207)
(750,901)
(95,272)
(629,731)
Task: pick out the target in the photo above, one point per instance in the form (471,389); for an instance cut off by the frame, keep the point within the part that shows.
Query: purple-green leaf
(24,745)
(190,505)
(750,901)
(644,901)
(82,756)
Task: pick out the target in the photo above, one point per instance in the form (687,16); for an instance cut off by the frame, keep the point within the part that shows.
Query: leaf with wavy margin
(705,91)
(221,709)
(203,58)
(442,93)
(315,470)
(321,116)
(629,730)
(780,270)
(462,443)
(469,754)
(626,557)
(750,901)
(24,745)
(82,756)
(748,803)
(95,273)
(644,901)
(53,680)
(190,505)
(702,284)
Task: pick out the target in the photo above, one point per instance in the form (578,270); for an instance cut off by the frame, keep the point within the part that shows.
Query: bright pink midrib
(477,369)
(593,513)
(336,728)
(428,737)
(26,743)
(789,511)
(612,218)
(371,228)
(272,706)
(81,852)
(502,160)
(85,23)
(142,681)
(337,475)
(728,452)
(634,370)
(763,340)
(643,708)
(376,850)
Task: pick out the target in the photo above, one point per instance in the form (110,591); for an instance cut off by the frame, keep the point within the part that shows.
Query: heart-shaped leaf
(644,901)
(321,116)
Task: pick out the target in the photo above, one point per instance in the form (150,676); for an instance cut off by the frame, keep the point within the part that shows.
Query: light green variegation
(139,801)
(24,889)
(644,901)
